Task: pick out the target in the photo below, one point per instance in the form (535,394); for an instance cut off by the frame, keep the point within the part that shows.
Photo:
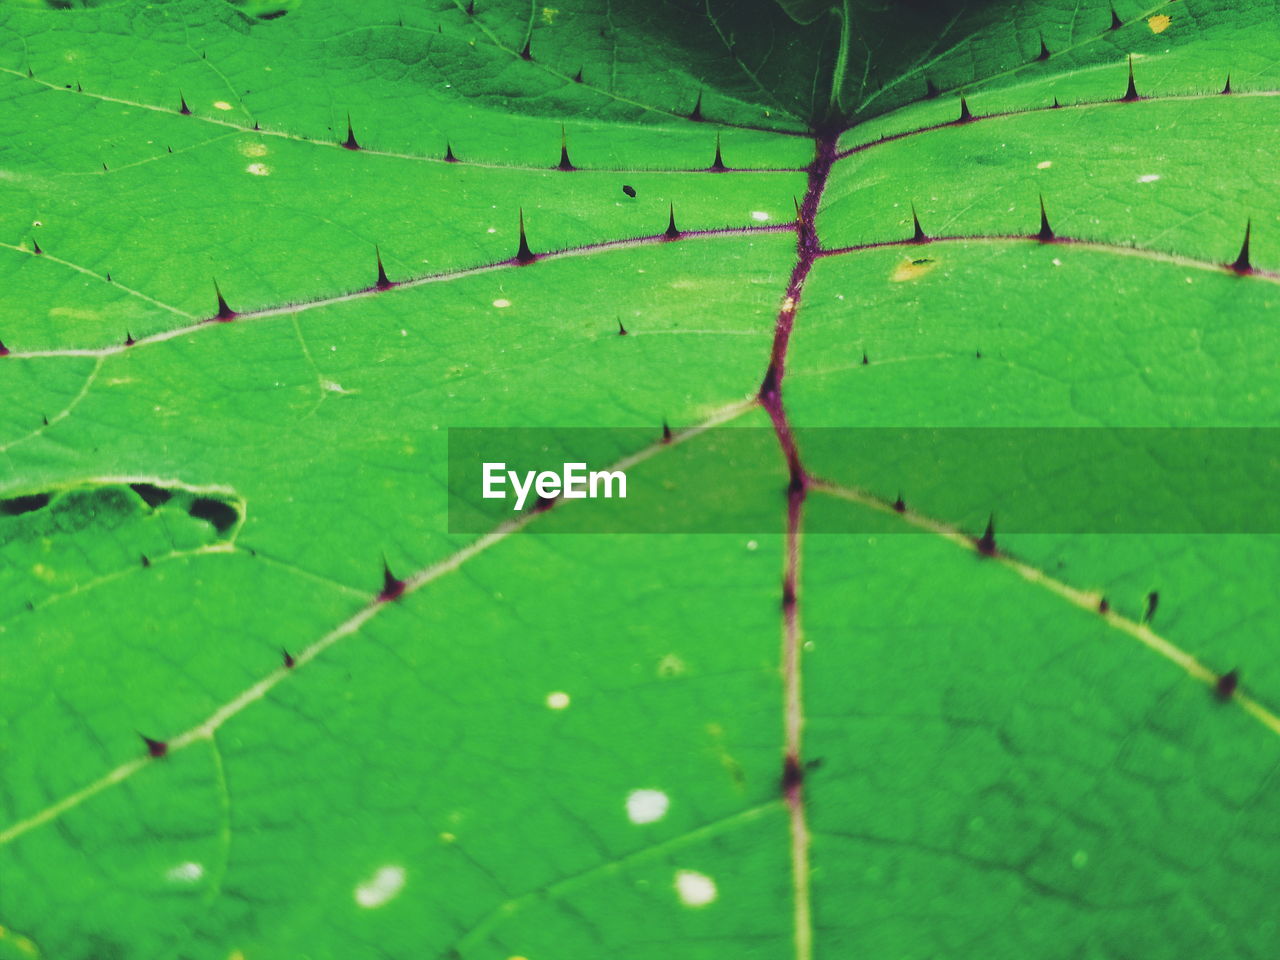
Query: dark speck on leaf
(630,191)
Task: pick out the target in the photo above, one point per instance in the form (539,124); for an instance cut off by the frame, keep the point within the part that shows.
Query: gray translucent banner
(734,479)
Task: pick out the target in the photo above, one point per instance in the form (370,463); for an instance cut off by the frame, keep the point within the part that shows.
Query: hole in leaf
(222,515)
(16,506)
(152,495)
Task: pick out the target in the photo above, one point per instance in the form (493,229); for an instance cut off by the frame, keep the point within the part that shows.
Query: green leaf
(806,11)
(261,699)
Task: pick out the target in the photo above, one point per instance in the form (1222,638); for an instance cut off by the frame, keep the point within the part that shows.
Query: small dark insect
(630,191)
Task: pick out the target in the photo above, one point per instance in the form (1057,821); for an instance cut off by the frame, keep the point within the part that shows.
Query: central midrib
(808,249)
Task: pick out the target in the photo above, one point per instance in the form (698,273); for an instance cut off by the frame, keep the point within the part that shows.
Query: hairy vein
(207,728)
(287,309)
(1029,111)
(261,131)
(62,414)
(924,65)
(52,258)
(1101,246)
(770,397)
(561,888)
(1082,599)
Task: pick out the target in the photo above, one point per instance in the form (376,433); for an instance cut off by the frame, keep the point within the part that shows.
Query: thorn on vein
(1226,686)
(792,775)
(986,544)
(392,588)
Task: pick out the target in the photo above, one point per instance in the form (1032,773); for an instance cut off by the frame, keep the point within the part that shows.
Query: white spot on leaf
(222,105)
(647,806)
(670,666)
(258,169)
(188,872)
(1044,164)
(501,302)
(558,700)
(695,889)
(381,887)
(1149,178)
(759,215)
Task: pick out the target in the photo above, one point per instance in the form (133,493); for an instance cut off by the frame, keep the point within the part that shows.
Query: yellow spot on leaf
(236,955)
(912,269)
(1159,23)
(549,15)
